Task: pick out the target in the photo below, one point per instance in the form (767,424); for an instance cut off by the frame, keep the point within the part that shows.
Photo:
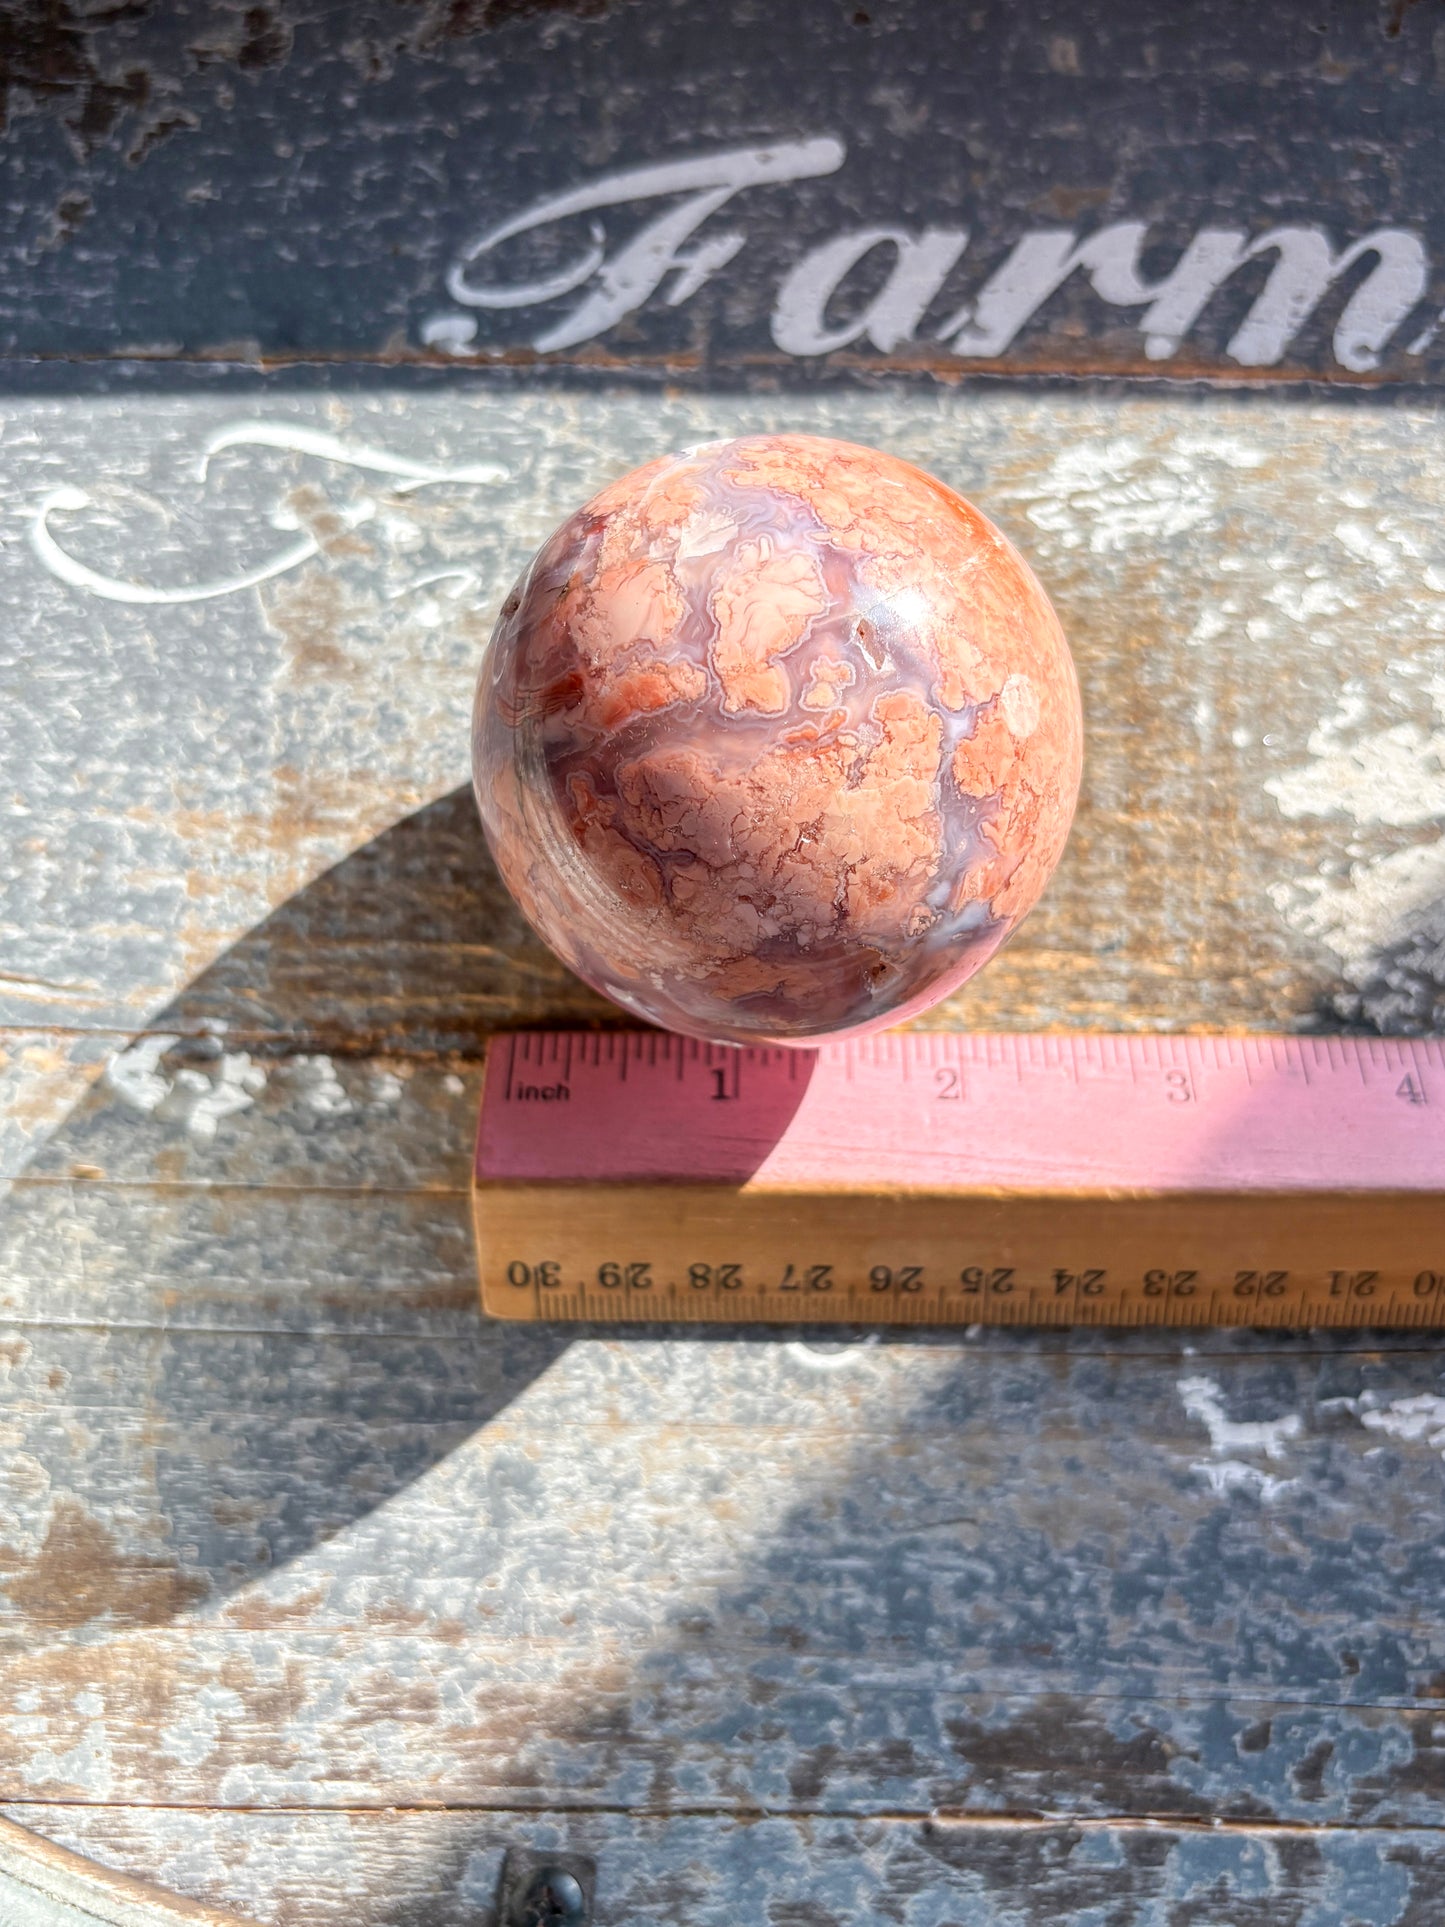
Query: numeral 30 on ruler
(943,1178)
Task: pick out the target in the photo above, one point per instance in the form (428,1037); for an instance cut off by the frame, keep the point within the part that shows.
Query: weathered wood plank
(281,1521)
(385,145)
(205,1185)
(288,1258)
(185,1112)
(180,1161)
(911,1575)
(42,1885)
(260,1460)
(407,1869)
(44,1077)
(1256,837)
(270,1719)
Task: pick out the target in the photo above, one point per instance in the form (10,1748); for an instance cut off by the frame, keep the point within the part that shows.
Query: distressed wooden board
(265,1721)
(43,1885)
(902,1577)
(715,1871)
(331,1199)
(261,1460)
(193,180)
(295,1120)
(1257,843)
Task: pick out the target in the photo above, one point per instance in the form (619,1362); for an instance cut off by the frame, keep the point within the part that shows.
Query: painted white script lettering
(662,256)
(1305,267)
(890,318)
(626,279)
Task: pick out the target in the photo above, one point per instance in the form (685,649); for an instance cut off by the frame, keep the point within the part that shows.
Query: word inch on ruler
(939,1178)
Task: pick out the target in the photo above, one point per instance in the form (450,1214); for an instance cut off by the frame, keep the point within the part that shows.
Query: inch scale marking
(942,1178)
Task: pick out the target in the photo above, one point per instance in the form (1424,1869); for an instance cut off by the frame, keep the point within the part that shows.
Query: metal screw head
(546,1890)
(554,1899)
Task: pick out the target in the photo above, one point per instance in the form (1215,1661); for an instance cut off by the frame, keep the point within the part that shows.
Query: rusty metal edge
(43,1885)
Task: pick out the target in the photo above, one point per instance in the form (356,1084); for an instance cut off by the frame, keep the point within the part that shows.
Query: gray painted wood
(44,1885)
(716,1870)
(237,798)
(905,1576)
(315,1591)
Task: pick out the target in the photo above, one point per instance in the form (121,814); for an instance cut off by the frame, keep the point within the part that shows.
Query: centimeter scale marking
(941,1178)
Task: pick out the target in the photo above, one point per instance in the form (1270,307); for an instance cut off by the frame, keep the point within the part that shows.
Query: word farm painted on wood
(675,252)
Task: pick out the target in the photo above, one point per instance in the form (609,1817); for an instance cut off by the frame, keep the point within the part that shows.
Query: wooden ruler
(929,1178)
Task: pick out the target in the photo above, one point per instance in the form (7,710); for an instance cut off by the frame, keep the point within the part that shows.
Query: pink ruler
(941,1111)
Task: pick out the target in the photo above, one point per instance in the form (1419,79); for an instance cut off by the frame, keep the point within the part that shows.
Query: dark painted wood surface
(316,1592)
(690,190)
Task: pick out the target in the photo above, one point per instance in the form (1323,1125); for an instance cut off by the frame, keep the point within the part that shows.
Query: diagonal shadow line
(411,944)
(417,920)
(411,948)
(269,1441)
(292,1315)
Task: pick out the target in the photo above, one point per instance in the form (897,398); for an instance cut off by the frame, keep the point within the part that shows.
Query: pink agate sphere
(777,740)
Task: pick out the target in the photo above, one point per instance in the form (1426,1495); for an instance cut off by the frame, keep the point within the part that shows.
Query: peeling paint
(321,1088)
(1204,1400)
(1233,1475)
(189,1097)
(132,1073)
(1417,1418)
(1383,903)
(1394,776)
(1119,495)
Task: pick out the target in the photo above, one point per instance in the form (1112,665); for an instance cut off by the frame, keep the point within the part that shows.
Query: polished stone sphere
(777,740)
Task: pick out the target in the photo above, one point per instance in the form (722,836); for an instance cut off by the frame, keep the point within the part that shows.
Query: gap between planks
(982,1821)
(1282,1341)
(851,372)
(280,1044)
(1002,1687)
(245,1187)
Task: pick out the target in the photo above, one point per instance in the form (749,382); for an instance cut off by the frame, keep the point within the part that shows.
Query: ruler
(931,1178)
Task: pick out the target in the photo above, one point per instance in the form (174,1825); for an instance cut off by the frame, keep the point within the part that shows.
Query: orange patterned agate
(777,739)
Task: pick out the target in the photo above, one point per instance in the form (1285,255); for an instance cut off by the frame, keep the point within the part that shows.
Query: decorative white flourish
(76,575)
(1204,1400)
(295,439)
(831,1358)
(1417,1419)
(1233,1475)
(290,437)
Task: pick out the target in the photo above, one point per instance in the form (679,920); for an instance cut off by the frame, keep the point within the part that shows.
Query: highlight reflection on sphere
(777,739)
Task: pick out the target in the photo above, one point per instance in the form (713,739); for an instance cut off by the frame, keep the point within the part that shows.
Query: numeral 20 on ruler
(943,1178)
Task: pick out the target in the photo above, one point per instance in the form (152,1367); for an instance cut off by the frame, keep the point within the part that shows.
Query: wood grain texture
(197,184)
(316,1591)
(246,1569)
(238,819)
(715,1870)
(44,1885)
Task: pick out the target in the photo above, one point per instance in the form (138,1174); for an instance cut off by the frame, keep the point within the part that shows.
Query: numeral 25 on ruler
(945,1178)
